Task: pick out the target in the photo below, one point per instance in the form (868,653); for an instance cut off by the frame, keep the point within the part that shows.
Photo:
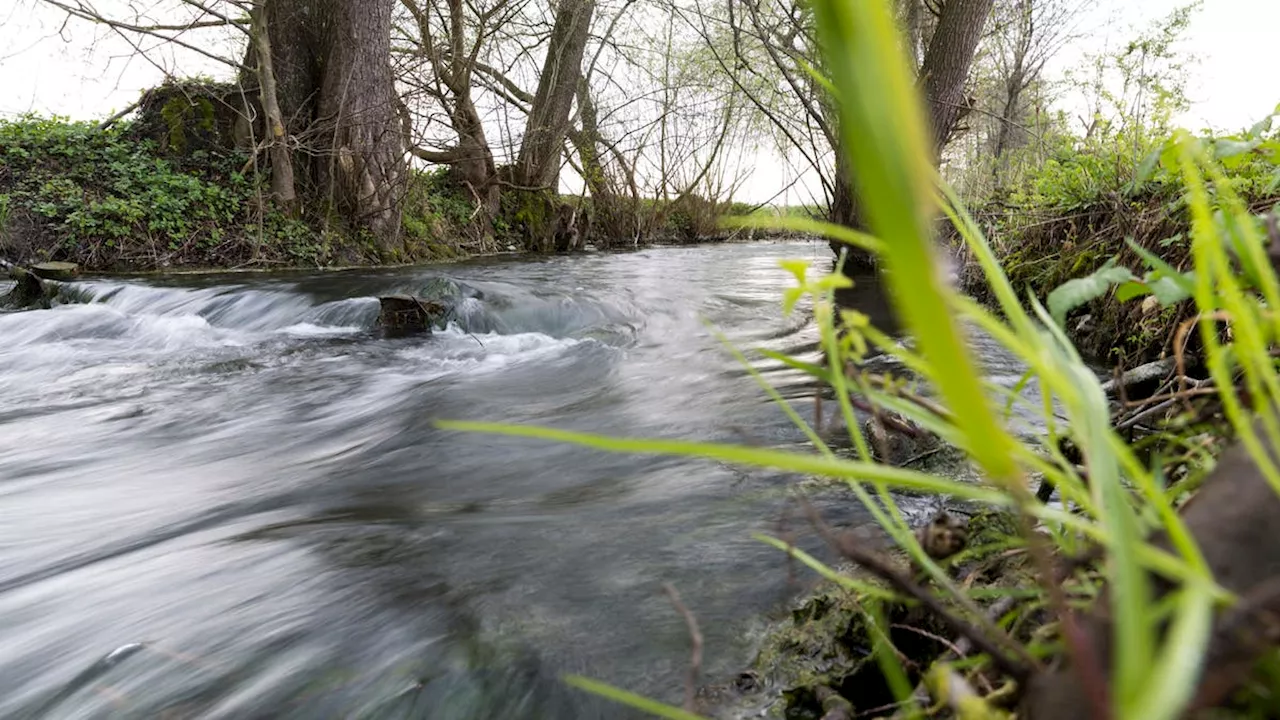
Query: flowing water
(225,497)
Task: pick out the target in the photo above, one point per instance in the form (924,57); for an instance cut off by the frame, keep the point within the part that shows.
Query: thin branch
(153,31)
(695,638)
(116,118)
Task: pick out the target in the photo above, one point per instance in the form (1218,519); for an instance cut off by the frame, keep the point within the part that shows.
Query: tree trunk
(365,171)
(282,182)
(611,220)
(538,164)
(842,209)
(946,64)
(943,73)
(336,98)
(914,12)
(1004,132)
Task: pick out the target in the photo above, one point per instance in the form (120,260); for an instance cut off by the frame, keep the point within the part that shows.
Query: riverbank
(170,193)
(1114,268)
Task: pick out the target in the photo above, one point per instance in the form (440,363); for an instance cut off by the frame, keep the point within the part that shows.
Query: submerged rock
(407,314)
(29,291)
(434,307)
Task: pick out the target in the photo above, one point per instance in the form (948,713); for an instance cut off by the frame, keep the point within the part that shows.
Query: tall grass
(1153,673)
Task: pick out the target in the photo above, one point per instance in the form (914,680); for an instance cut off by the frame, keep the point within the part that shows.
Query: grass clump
(1108,201)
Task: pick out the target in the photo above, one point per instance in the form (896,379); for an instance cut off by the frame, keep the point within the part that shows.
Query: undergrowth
(1097,208)
(110,199)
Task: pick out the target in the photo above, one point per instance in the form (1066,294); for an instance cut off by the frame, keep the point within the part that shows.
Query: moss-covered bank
(1042,248)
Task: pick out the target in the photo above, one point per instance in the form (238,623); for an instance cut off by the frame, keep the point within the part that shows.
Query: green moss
(181,112)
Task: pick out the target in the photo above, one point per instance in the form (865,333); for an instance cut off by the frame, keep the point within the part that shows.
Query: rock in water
(28,293)
(406,314)
(55,270)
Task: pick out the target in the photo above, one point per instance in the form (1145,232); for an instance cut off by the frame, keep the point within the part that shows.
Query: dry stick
(1199,387)
(963,645)
(115,118)
(695,637)
(917,458)
(1019,668)
(897,425)
(817,408)
(1179,348)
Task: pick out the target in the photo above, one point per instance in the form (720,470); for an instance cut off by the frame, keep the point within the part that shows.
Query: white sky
(73,69)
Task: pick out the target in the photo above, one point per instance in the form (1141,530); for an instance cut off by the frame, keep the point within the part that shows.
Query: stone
(406,314)
(29,292)
(56,270)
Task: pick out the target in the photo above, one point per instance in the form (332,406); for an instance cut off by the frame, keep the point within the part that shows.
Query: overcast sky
(48,66)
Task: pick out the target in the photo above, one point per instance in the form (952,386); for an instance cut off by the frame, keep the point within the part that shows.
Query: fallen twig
(695,638)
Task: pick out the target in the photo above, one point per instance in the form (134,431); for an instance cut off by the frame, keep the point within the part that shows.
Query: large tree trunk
(365,170)
(336,96)
(538,164)
(946,64)
(943,73)
(842,209)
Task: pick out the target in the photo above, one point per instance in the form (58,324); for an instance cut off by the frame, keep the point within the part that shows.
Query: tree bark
(943,73)
(336,96)
(365,173)
(842,209)
(538,164)
(947,61)
(282,181)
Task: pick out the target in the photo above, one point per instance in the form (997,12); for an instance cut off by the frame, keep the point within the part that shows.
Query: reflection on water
(225,496)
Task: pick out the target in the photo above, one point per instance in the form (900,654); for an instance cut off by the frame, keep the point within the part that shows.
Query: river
(224,496)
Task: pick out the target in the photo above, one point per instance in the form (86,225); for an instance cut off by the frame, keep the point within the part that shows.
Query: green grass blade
(859,586)
(758,457)
(631,699)
(1172,682)
(883,125)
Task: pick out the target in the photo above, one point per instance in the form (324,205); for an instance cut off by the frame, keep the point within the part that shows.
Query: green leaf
(1226,147)
(1078,291)
(1132,289)
(1185,281)
(1146,167)
(1260,127)
(1170,290)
